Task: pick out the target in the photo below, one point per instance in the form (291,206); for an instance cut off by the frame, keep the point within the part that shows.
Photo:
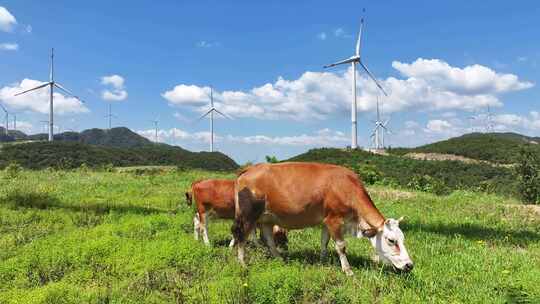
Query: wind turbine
(7,119)
(14,121)
(46,124)
(156,128)
(110,116)
(52,84)
(211,112)
(489,120)
(354,60)
(379,130)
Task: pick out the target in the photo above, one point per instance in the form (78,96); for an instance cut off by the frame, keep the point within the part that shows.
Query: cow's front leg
(203,218)
(232,243)
(268,234)
(325,237)
(335,225)
(196,224)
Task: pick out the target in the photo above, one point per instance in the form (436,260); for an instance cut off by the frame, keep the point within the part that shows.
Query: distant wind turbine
(211,112)
(7,119)
(46,124)
(110,116)
(354,60)
(379,130)
(52,84)
(156,122)
(489,120)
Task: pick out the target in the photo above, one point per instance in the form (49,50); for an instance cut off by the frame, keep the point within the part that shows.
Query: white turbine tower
(156,122)
(110,116)
(52,84)
(211,112)
(7,119)
(379,130)
(354,60)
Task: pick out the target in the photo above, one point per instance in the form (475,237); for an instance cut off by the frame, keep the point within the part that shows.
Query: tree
(528,171)
(271,159)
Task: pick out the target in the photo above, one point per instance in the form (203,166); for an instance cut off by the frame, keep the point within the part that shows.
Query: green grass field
(126,237)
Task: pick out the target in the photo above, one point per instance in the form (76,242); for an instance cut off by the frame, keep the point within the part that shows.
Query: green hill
(62,154)
(115,137)
(435,176)
(501,148)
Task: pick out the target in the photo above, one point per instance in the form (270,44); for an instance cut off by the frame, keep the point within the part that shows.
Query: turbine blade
(226,116)
(359,41)
(372,77)
(3,108)
(349,60)
(36,88)
(56,84)
(204,115)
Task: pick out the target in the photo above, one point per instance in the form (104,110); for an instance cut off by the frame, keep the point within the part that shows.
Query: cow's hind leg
(335,225)
(248,211)
(325,237)
(268,234)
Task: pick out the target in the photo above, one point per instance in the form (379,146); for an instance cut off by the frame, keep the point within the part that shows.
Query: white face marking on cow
(390,246)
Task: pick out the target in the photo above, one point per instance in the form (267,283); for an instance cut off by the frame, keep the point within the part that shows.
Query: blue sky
(443,63)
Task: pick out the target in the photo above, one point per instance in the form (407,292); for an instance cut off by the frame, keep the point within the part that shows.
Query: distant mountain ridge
(116,137)
(97,147)
(500,148)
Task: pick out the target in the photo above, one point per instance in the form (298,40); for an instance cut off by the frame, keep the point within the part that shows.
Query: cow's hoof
(349,272)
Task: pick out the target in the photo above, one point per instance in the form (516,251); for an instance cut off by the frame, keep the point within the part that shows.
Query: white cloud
(9,46)
(321,36)
(340,32)
(513,121)
(206,44)
(23,126)
(175,134)
(428,85)
(118,92)
(438,126)
(7,20)
(38,100)
(324,137)
(471,80)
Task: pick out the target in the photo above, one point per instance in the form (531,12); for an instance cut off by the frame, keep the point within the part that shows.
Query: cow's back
(294,193)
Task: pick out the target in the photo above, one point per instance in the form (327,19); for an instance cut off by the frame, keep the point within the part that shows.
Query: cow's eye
(392,242)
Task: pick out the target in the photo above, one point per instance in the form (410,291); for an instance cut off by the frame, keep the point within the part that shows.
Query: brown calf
(216,197)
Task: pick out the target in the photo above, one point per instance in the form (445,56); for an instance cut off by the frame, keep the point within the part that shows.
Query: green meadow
(84,236)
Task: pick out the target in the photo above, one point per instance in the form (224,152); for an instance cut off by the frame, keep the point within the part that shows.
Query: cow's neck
(366,210)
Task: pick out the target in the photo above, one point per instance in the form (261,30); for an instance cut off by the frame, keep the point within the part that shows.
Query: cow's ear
(369,233)
(188,198)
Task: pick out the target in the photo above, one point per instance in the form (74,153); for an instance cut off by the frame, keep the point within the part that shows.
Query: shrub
(528,172)
(13,170)
(368,173)
(271,159)
(427,183)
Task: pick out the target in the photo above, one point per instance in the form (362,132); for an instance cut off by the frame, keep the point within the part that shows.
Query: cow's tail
(248,210)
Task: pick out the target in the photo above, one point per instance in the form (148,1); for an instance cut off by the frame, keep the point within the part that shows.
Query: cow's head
(189,199)
(389,242)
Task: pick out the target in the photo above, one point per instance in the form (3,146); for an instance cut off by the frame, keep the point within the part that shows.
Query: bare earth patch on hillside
(452,157)
(390,194)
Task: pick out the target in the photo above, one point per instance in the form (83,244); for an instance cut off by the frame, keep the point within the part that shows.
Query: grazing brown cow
(297,195)
(216,196)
